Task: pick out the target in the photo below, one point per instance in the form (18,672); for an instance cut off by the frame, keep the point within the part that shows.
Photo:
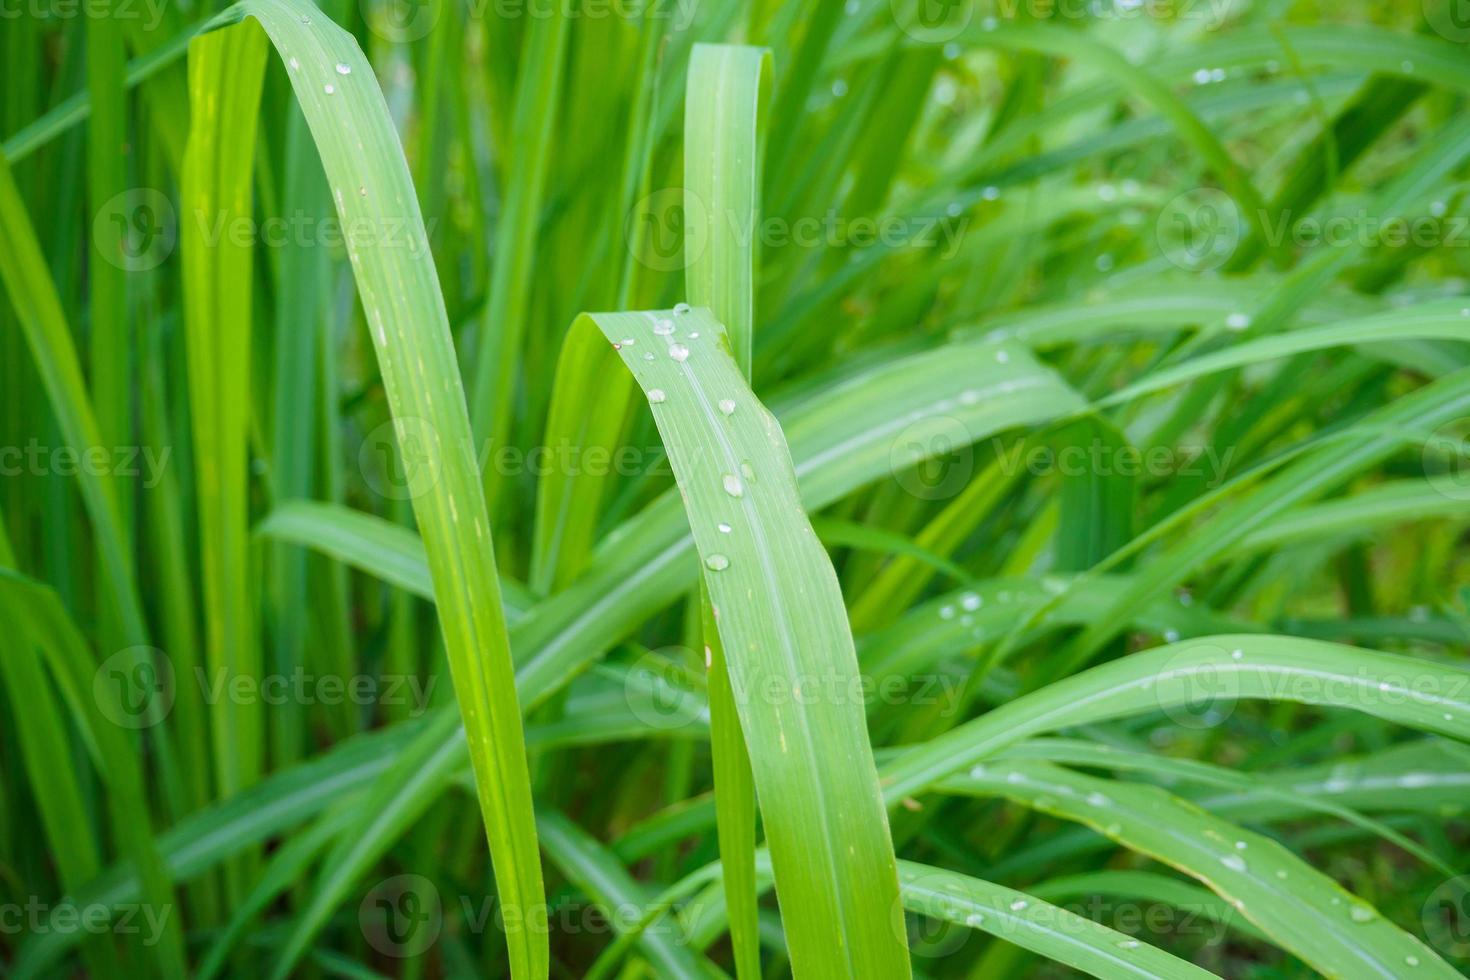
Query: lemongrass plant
(678,489)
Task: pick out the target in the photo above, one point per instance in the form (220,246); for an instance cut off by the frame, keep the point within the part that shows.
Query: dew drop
(343,69)
(694,335)
(1002,357)
(1019,904)
(1237,654)
(723,528)
(681,308)
(1362,913)
(974,919)
(295,65)
(679,352)
(970,601)
(1238,321)
(717,563)
(1411,960)
(648,355)
(1234,862)
(727,405)
(656,395)
(663,327)
(990,193)
(1099,800)
(329,89)
(946,612)
(628,341)
(733,486)
(1128,944)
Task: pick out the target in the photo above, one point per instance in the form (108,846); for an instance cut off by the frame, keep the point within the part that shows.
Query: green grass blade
(100,711)
(828,835)
(725,100)
(503,323)
(43,321)
(602,878)
(44,751)
(1433,321)
(724,104)
(399,291)
(735,801)
(370,544)
(1404,690)
(1036,925)
(386,813)
(226,73)
(1301,909)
